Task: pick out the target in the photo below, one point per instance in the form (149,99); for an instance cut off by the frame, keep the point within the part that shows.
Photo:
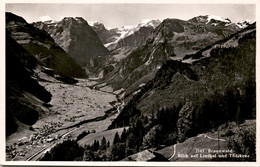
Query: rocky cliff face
(77,38)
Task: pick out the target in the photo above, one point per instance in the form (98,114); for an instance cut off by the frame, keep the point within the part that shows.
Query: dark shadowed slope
(21,89)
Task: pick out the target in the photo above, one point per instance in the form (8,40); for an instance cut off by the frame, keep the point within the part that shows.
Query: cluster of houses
(72,119)
(13,153)
(34,140)
(49,127)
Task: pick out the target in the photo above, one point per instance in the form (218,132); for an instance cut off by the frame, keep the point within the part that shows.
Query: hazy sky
(117,15)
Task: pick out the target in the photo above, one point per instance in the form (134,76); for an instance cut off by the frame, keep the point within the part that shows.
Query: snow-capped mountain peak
(128,30)
(217,18)
(244,23)
(149,22)
(45,18)
(220,21)
(145,21)
(127,27)
(210,19)
(93,23)
(125,31)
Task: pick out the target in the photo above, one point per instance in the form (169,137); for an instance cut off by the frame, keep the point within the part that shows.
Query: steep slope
(204,94)
(172,39)
(226,67)
(231,41)
(189,106)
(42,46)
(24,96)
(78,39)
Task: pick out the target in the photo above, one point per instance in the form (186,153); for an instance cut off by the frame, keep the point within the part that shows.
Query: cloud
(44,18)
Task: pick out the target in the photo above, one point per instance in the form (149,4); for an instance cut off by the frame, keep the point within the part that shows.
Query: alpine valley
(160,90)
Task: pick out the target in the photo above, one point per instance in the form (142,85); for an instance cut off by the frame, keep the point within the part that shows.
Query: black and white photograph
(130,82)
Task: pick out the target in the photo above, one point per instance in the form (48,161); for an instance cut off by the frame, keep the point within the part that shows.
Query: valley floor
(81,108)
(75,109)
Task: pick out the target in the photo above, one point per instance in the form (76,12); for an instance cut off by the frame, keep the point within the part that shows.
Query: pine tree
(95,145)
(103,143)
(124,136)
(118,151)
(116,138)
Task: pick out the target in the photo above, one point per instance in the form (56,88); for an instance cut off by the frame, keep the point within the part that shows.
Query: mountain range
(187,38)
(213,90)
(172,39)
(69,33)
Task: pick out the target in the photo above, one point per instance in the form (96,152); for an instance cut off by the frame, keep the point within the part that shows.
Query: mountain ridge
(172,39)
(40,44)
(191,97)
(78,39)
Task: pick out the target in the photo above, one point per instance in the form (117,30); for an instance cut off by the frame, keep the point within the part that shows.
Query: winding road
(199,135)
(174,151)
(211,138)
